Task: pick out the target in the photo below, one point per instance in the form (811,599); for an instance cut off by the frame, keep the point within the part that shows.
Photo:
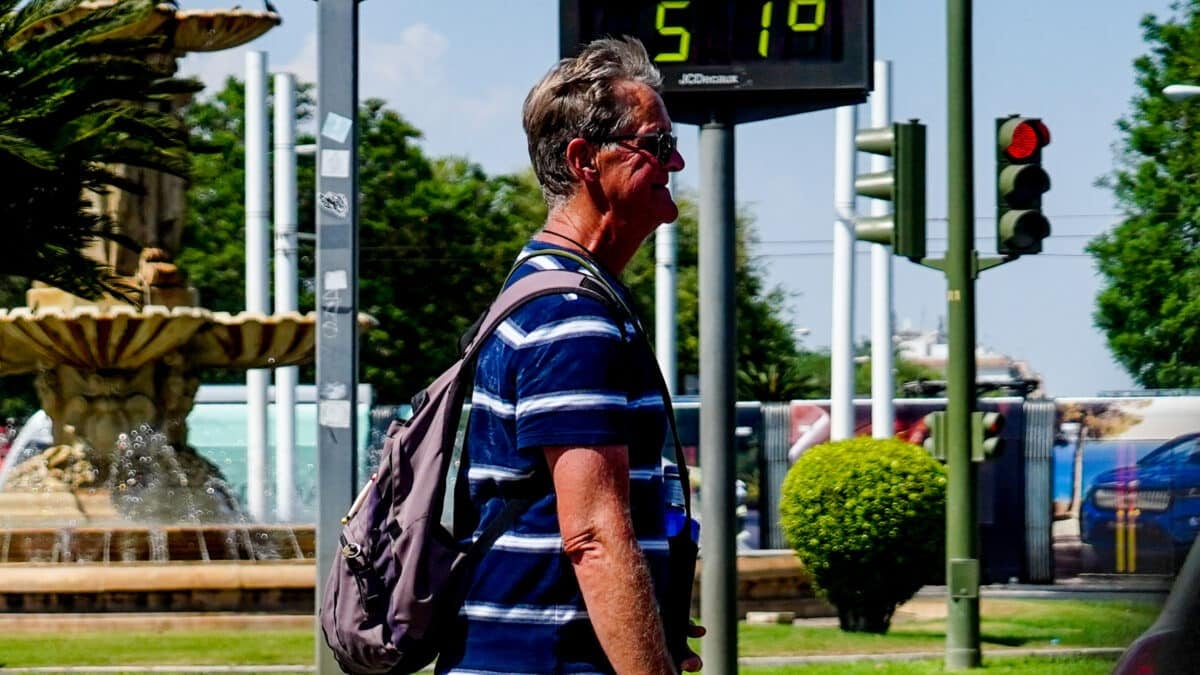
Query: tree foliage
(74,100)
(435,236)
(1149,306)
(766,356)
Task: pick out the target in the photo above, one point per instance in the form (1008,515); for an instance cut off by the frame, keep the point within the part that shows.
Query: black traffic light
(1020,183)
(904,186)
(985,435)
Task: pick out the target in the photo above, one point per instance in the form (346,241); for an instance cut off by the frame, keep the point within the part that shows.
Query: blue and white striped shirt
(562,370)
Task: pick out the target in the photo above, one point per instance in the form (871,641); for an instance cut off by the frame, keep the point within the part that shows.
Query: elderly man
(567,406)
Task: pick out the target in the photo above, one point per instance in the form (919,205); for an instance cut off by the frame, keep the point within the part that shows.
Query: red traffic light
(1021,138)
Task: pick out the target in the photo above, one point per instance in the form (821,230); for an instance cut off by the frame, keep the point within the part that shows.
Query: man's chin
(668,214)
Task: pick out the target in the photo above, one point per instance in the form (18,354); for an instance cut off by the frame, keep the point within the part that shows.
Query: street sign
(743,60)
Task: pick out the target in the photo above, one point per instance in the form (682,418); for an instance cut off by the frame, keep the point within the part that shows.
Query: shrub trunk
(858,618)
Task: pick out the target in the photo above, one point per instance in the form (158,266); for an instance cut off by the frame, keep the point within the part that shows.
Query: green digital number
(685,36)
(764,36)
(806,27)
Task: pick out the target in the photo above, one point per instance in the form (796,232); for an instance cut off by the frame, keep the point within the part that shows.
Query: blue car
(1144,517)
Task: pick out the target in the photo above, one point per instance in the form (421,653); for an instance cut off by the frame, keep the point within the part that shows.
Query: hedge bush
(867,518)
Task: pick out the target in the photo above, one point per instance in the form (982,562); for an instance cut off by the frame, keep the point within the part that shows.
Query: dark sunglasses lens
(665,147)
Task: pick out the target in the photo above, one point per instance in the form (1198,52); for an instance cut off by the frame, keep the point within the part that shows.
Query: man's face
(632,178)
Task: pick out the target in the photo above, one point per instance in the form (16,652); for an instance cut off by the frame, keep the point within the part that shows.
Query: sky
(459,70)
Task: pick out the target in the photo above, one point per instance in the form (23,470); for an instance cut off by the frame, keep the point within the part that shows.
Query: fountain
(120,485)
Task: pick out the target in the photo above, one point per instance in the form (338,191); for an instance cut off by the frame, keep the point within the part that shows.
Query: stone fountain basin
(284,586)
(124,338)
(246,568)
(103,545)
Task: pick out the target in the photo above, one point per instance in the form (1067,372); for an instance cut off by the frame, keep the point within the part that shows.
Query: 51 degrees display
(752,59)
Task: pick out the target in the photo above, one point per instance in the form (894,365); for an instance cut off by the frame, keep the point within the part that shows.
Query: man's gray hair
(576,99)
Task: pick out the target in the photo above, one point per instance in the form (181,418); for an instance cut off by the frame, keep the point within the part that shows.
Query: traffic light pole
(962,564)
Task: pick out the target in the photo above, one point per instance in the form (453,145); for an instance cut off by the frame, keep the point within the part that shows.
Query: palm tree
(77,96)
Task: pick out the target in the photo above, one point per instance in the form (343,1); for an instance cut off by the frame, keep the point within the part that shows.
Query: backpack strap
(616,299)
(526,289)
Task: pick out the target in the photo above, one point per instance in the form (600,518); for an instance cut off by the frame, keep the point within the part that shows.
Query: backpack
(395,580)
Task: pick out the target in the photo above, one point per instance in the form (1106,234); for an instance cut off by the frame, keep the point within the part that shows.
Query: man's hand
(691,662)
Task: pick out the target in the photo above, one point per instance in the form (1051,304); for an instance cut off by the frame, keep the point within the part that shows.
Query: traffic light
(1020,182)
(904,186)
(935,440)
(985,435)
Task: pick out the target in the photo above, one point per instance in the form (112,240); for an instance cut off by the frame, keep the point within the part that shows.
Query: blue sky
(459,69)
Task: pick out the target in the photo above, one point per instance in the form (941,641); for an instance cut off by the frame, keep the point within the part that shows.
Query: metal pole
(883,386)
(841,350)
(718,578)
(258,220)
(664,301)
(962,565)
(337,283)
(286,290)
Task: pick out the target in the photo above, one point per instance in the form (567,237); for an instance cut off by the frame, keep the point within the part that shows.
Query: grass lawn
(173,647)
(1006,624)
(1039,665)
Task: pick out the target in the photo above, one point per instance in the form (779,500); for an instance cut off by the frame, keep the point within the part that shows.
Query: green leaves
(436,236)
(866,518)
(74,99)
(1149,304)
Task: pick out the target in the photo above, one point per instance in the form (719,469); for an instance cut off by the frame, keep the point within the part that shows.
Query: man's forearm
(592,486)
(618,592)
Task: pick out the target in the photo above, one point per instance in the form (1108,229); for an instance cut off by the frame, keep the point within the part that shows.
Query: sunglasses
(661,144)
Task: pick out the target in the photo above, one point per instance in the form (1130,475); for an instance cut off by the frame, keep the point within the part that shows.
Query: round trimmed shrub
(866,516)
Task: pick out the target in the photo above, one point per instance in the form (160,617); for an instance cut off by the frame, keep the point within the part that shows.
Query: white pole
(883,386)
(286,290)
(664,300)
(842,335)
(257,291)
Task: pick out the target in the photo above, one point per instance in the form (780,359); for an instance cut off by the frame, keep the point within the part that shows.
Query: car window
(1173,453)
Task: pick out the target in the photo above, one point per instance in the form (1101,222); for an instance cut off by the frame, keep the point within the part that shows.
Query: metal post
(258,220)
(718,579)
(664,301)
(337,282)
(841,350)
(883,386)
(962,564)
(286,290)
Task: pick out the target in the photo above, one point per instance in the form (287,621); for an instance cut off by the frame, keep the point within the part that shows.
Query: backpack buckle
(351,550)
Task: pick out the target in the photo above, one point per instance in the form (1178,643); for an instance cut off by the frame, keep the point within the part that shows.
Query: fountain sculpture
(118,380)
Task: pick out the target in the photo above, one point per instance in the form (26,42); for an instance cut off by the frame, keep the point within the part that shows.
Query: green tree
(1149,305)
(767,356)
(436,236)
(74,100)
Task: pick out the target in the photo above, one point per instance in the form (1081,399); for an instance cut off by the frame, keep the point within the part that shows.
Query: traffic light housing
(1020,183)
(935,439)
(985,435)
(904,186)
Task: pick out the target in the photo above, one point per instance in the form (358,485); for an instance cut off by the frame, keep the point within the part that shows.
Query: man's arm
(592,485)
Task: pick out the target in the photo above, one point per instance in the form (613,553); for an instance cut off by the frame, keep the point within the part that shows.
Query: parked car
(1172,643)
(1151,508)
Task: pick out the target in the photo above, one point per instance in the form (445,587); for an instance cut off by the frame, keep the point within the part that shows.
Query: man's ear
(581,158)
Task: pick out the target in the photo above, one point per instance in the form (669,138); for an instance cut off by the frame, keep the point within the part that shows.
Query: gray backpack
(396,581)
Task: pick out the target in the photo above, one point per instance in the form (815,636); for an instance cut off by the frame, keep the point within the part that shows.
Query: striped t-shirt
(563,370)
